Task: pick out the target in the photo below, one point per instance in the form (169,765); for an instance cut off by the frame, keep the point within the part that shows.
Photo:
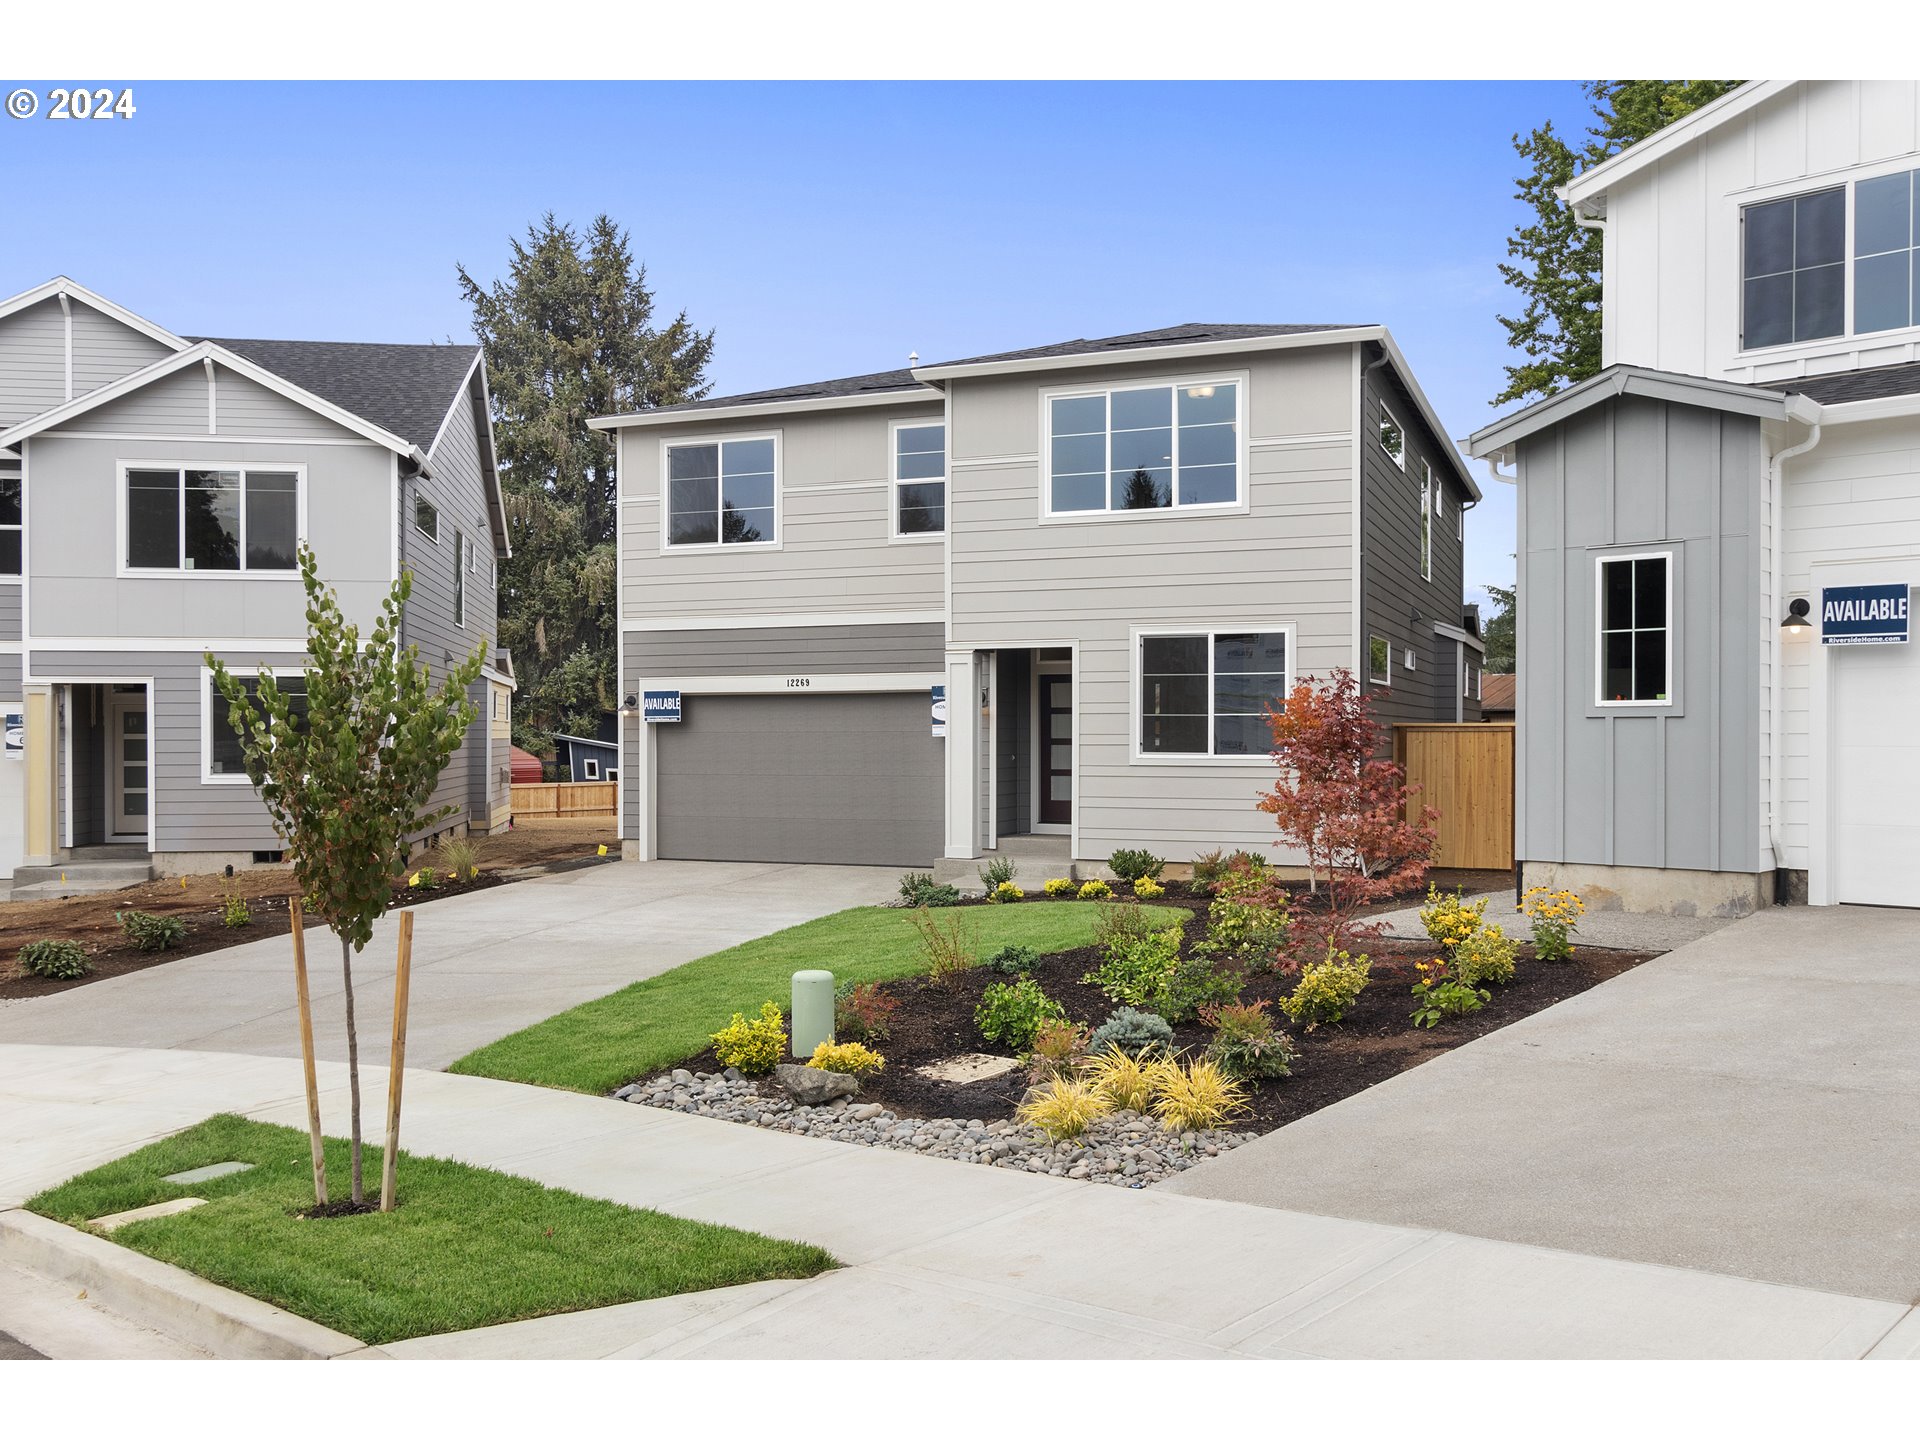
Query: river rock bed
(1123,1148)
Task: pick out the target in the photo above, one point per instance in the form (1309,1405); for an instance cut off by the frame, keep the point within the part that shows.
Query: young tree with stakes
(347,784)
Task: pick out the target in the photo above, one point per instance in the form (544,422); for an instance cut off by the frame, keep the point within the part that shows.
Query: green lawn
(600,1045)
(465,1246)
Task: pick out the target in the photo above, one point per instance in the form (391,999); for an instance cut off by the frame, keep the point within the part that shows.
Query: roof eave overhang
(760,409)
(1198,350)
(1587,192)
(1496,441)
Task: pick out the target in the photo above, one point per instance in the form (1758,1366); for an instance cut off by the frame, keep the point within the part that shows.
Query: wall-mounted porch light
(630,706)
(1797,617)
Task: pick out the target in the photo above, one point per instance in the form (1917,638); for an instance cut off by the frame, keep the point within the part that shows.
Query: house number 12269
(798,682)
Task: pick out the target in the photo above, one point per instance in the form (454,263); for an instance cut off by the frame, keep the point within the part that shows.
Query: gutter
(1806,411)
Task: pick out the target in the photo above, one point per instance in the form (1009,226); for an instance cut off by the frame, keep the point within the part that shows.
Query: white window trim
(21,529)
(1600,563)
(207,777)
(1386,412)
(432,535)
(721,437)
(1384,680)
(894,482)
(1239,505)
(124,571)
(589,767)
(1138,633)
(1470,680)
(1429,517)
(458,598)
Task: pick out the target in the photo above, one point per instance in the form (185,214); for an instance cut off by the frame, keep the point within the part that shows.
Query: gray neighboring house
(910,617)
(153,488)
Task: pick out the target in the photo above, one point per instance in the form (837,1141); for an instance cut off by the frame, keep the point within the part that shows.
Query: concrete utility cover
(147,1212)
(207,1172)
(965,1069)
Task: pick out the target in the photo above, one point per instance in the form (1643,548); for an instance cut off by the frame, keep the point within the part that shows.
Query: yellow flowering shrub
(1096,890)
(1006,892)
(1148,888)
(753,1047)
(1327,989)
(851,1058)
(1485,957)
(1059,888)
(1555,915)
(1449,919)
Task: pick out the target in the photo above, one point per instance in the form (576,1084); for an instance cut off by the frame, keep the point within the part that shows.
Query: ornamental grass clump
(753,1047)
(1124,1080)
(1327,989)
(850,1058)
(1245,1045)
(1555,915)
(1195,1096)
(1486,957)
(1062,1109)
(1010,1015)
(1449,919)
(53,960)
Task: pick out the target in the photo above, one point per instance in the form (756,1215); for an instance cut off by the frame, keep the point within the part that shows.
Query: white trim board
(60,285)
(786,684)
(759,408)
(789,620)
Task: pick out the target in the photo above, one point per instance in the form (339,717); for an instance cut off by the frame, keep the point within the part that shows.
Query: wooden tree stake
(306,1050)
(396,1065)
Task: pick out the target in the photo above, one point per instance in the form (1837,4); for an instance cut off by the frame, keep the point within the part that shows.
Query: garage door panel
(1876,774)
(828,779)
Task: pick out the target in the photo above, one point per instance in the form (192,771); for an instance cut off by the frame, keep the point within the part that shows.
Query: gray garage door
(827,779)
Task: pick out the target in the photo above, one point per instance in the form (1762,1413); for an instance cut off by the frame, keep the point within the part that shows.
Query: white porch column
(963,669)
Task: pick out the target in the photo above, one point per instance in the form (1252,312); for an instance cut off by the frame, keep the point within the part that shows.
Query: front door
(128,783)
(1056,749)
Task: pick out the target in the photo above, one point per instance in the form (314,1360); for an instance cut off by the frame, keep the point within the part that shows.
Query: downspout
(1776,493)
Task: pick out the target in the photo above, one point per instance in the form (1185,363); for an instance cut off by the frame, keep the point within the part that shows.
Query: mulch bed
(1375,1042)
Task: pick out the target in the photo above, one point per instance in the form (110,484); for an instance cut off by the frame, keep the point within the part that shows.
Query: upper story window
(10,514)
(919,480)
(426,519)
(1393,439)
(211,519)
(1886,266)
(720,492)
(1208,693)
(1145,447)
(1634,658)
(1429,511)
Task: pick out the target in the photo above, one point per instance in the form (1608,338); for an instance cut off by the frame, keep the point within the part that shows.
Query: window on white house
(1635,650)
(225,754)
(1429,502)
(1208,693)
(1794,269)
(459,578)
(1379,660)
(1149,447)
(1393,439)
(720,493)
(1886,250)
(10,517)
(919,480)
(212,519)
(426,519)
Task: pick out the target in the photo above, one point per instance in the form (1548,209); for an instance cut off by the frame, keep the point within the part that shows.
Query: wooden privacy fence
(588,797)
(1466,773)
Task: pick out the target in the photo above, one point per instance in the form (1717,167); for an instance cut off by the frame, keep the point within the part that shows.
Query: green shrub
(1134,1032)
(753,1047)
(1196,983)
(1440,996)
(1014,960)
(1131,865)
(1486,957)
(1244,931)
(862,1012)
(1137,968)
(919,890)
(235,913)
(53,959)
(1245,1045)
(1011,1015)
(151,932)
(1327,989)
(997,872)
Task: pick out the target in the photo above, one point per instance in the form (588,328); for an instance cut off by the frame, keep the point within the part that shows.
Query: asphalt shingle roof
(405,389)
(1876,383)
(879,382)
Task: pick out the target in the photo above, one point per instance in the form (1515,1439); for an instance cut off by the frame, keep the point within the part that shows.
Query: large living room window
(211,519)
(1206,693)
(919,480)
(1794,269)
(1143,447)
(720,492)
(224,757)
(1634,640)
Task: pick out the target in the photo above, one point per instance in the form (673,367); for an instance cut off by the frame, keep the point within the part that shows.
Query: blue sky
(821,229)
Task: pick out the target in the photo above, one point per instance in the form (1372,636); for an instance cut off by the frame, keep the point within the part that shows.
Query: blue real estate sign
(660,706)
(1863,615)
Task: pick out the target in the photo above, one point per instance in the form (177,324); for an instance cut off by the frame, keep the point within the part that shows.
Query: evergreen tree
(1555,263)
(569,334)
(1499,633)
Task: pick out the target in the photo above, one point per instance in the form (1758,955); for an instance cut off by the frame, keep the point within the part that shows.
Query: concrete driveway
(1748,1104)
(484,965)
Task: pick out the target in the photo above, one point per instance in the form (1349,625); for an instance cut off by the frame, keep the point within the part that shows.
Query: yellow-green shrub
(1006,891)
(1148,888)
(753,1047)
(1059,888)
(1199,1096)
(1449,919)
(1062,1109)
(1485,957)
(851,1058)
(1327,989)
(1125,1081)
(1096,890)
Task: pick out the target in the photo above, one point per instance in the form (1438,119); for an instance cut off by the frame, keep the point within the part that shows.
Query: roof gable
(406,390)
(1587,191)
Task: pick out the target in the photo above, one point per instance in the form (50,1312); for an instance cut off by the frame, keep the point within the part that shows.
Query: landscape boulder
(808,1086)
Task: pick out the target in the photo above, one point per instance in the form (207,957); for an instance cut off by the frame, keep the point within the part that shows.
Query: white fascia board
(1887,407)
(1197,350)
(1427,411)
(459,394)
(1587,191)
(1495,441)
(487,672)
(61,285)
(762,408)
(490,462)
(1465,637)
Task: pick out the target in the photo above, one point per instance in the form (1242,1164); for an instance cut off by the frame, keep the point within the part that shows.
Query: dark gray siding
(828,649)
(1396,601)
(815,779)
(1676,788)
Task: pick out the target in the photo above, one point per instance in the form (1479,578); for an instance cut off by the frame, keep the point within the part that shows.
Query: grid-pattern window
(720,493)
(212,519)
(1635,640)
(919,479)
(225,754)
(1886,250)
(1144,448)
(1209,693)
(10,517)
(1794,264)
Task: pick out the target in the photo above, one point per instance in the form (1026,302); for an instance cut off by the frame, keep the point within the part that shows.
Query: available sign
(1863,615)
(939,712)
(660,706)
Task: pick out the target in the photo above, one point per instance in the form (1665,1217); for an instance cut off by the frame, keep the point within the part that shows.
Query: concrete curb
(164,1298)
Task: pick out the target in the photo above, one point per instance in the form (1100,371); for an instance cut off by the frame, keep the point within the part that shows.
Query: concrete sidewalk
(1749,1104)
(1601,929)
(484,965)
(955,1261)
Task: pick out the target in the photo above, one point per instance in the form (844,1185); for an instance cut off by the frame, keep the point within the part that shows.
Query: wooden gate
(588,797)
(1466,773)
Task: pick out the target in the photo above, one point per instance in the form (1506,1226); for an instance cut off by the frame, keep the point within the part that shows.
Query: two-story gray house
(904,617)
(153,490)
